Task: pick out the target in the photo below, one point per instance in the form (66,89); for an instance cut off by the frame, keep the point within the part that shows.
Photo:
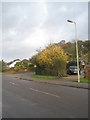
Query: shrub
(52,60)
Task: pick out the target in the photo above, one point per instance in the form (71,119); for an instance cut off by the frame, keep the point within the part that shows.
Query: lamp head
(70,21)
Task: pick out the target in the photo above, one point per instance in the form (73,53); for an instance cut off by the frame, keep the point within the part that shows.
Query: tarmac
(63,81)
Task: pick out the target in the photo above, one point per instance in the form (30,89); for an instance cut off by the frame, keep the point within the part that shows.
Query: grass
(83,80)
(44,76)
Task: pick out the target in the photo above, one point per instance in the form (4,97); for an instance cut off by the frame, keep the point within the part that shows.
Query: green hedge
(42,71)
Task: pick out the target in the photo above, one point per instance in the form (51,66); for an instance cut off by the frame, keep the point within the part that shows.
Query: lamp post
(76,47)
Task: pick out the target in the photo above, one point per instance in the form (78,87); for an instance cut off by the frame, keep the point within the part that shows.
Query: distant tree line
(53,59)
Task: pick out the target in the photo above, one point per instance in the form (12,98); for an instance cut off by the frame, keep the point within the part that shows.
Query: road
(29,99)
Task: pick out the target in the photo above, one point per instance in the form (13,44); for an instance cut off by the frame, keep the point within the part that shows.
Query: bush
(40,71)
(52,61)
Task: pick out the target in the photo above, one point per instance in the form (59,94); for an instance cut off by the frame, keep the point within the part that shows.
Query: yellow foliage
(52,56)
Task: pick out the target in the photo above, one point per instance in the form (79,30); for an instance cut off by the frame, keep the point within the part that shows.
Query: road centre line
(44,92)
(13,83)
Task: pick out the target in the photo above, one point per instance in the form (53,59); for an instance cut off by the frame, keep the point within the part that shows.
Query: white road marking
(13,83)
(44,92)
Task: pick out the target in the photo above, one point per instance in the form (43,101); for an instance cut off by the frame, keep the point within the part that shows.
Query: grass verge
(83,80)
(43,76)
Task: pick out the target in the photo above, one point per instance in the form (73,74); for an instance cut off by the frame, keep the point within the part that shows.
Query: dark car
(72,70)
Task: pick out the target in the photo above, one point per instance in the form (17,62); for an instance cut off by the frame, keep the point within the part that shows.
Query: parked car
(72,70)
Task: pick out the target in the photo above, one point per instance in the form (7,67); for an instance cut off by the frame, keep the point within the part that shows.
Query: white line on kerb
(44,92)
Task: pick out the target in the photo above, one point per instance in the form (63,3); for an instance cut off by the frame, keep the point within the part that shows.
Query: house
(12,63)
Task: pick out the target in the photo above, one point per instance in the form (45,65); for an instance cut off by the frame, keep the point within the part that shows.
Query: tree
(53,57)
(0,66)
(18,66)
(22,65)
(3,66)
(33,62)
(70,49)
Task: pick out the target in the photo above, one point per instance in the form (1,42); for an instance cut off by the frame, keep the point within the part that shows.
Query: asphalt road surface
(29,99)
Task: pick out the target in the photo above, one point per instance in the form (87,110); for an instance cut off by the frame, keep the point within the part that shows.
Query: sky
(27,27)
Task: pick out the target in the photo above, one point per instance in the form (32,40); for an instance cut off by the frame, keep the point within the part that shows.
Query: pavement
(64,81)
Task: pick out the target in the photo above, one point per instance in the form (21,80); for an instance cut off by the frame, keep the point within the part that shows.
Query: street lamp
(76,47)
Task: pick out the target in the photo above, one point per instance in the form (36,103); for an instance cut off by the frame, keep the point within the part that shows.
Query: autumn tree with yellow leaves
(53,58)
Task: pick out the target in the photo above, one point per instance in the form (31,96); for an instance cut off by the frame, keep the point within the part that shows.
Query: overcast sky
(28,26)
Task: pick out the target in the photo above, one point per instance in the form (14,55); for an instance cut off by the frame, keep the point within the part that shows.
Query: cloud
(28,26)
